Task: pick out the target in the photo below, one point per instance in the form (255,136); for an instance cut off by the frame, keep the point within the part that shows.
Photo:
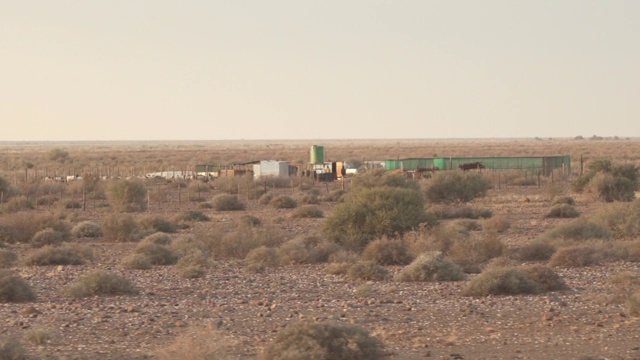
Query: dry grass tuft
(14,288)
(100,283)
(434,266)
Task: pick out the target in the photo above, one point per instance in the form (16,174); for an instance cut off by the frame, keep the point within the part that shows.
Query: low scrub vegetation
(157,254)
(46,237)
(306,250)
(434,266)
(201,344)
(444,212)
(502,281)
(17,203)
(472,253)
(498,224)
(158,224)
(136,261)
(193,215)
(21,227)
(261,258)
(579,230)
(227,202)
(7,258)
(71,254)
(236,243)
(312,340)
(307,211)
(127,196)
(14,288)
(120,228)
(283,202)
(609,182)
(563,211)
(456,187)
(100,283)
(12,349)
(387,252)
(367,270)
(537,250)
(575,256)
(86,229)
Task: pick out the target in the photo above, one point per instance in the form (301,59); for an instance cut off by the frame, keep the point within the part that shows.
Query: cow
(470,166)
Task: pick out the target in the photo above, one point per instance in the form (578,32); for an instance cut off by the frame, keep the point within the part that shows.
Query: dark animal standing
(470,166)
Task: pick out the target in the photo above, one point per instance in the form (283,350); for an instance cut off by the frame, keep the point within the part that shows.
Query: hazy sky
(324,69)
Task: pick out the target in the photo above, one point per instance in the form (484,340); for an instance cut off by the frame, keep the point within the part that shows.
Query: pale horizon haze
(230,70)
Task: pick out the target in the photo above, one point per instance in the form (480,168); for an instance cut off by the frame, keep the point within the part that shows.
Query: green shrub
(537,250)
(158,238)
(370,213)
(609,182)
(387,252)
(501,281)
(158,224)
(579,230)
(226,202)
(258,259)
(193,215)
(306,250)
(311,340)
(127,196)
(545,277)
(367,270)
(136,261)
(100,283)
(562,211)
(434,266)
(7,258)
(64,255)
(17,203)
(14,289)
(86,229)
(120,228)
(456,186)
(283,202)
(575,256)
(307,211)
(157,254)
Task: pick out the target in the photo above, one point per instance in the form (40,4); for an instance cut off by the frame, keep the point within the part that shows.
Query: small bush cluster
(86,229)
(17,203)
(100,283)
(237,242)
(497,224)
(367,270)
(563,211)
(608,181)
(283,202)
(227,202)
(312,340)
(120,228)
(128,196)
(471,253)
(306,250)
(157,254)
(158,224)
(46,237)
(537,250)
(14,289)
(261,258)
(307,211)
(459,212)
(387,252)
(579,230)
(21,227)
(12,349)
(193,215)
(513,281)
(7,258)
(434,266)
(456,186)
(566,200)
(575,256)
(63,255)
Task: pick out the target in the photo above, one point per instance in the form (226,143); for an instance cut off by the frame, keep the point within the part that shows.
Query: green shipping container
(316,154)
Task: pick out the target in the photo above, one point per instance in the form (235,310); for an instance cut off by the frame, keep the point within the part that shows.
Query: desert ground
(244,310)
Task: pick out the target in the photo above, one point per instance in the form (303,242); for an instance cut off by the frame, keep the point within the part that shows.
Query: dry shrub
(86,229)
(237,243)
(7,258)
(157,254)
(128,196)
(158,238)
(158,224)
(249,220)
(580,229)
(266,198)
(307,211)
(344,256)
(21,227)
(545,277)
(467,225)
(136,261)
(334,196)
(201,344)
(456,186)
(459,212)
(193,215)
(71,254)
(258,259)
(387,252)
(633,251)
(568,200)
(120,228)
(622,219)
(575,256)
(337,268)
(563,211)
(538,250)
(310,340)
(471,253)
(46,237)
(283,202)
(306,250)
(100,283)
(497,224)
(308,199)
(192,272)
(438,238)
(40,336)
(72,204)
(12,349)
(433,266)
(17,203)
(14,288)
(501,281)
(367,270)
(226,202)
